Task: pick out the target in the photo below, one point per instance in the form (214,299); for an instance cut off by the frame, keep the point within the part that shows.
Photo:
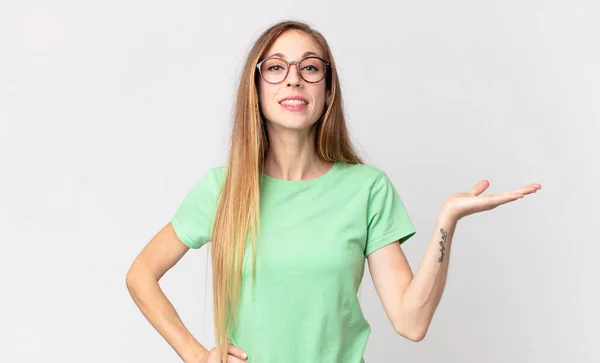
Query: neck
(292,155)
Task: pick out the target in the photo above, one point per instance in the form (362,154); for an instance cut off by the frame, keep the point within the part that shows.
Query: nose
(293,77)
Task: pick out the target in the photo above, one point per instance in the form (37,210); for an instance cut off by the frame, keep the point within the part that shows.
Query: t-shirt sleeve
(194,217)
(388,220)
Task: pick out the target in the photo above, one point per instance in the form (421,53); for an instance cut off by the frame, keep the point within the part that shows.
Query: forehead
(293,44)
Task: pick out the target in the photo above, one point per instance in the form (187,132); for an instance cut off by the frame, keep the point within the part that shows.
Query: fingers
(237,355)
(499,199)
(234,359)
(525,190)
(532,188)
(529,189)
(514,195)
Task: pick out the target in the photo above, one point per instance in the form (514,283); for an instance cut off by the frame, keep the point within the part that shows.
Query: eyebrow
(280,55)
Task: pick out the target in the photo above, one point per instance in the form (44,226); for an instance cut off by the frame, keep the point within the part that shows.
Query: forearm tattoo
(443,245)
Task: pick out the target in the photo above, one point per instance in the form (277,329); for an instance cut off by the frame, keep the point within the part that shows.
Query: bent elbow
(417,337)
(414,335)
(130,281)
(133,278)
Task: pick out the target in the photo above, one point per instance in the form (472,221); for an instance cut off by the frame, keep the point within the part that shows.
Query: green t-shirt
(316,235)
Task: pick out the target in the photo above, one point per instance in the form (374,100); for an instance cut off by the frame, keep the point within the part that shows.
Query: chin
(292,122)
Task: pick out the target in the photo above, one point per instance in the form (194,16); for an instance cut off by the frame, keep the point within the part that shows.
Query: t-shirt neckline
(307,182)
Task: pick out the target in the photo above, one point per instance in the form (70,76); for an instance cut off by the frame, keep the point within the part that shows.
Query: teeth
(293,102)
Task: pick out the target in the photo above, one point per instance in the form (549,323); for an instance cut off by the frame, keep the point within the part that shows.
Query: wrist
(197,354)
(203,356)
(198,357)
(447,216)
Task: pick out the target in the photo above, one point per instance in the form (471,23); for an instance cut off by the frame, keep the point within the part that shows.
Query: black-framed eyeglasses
(311,69)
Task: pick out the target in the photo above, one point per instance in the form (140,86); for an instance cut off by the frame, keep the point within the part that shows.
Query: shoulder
(210,184)
(216,174)
(364,173)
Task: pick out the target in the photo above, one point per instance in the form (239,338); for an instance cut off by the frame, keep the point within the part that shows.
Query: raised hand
(463,204)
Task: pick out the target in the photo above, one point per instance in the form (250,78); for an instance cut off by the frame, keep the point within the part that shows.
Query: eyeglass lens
(274,70)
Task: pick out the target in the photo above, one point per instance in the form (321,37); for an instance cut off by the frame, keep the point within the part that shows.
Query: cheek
(321,96)
(266,94)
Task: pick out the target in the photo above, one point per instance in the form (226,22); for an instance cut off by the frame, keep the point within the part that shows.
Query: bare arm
(410,301)
(421,298)
(162,252)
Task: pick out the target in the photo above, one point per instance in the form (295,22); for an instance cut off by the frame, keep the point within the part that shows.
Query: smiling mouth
(293,102)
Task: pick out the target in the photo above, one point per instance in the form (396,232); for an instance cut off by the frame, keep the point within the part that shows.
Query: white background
(110,111)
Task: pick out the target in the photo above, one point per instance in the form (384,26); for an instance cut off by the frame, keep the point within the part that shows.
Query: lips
(294,101)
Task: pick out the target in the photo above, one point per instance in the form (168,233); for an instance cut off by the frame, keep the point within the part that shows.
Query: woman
(296,196)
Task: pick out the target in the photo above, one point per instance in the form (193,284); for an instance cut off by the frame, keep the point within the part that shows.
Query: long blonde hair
(237,214)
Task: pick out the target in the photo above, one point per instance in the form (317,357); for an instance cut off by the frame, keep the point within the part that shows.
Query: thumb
(480,187)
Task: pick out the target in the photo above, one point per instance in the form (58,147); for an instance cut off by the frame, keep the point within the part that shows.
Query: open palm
(463,204)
